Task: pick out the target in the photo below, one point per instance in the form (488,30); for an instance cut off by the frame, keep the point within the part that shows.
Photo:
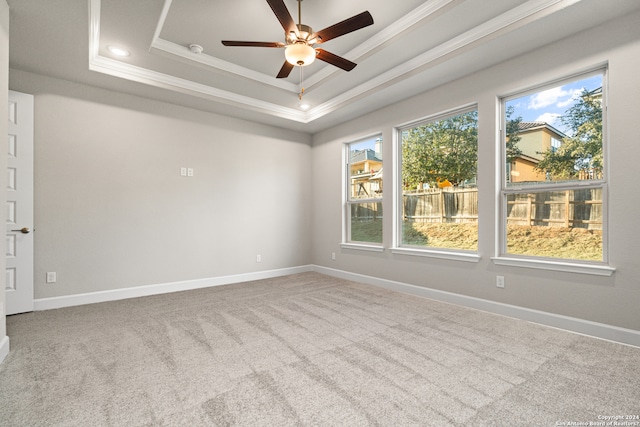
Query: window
(554,180)
(438,167)
(364,184)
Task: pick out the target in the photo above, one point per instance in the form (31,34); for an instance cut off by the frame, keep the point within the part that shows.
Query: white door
(19,280)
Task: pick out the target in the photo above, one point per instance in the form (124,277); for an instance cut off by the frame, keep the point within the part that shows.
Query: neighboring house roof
(529,158)
(597,91)
(362,155)
(522,126)
(530,125)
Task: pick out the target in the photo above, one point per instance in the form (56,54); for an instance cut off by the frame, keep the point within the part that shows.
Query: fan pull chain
(301,85)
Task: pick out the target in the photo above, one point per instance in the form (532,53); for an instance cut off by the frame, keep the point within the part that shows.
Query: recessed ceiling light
(304,106)
(118,51)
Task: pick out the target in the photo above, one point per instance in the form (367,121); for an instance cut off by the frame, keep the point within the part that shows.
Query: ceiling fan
(300,39)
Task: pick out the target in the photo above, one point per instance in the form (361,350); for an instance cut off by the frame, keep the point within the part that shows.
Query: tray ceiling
(413,46)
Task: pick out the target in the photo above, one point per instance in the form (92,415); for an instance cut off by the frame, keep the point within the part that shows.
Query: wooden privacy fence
(369,211)
(569,208)
(572,208)
(442,205)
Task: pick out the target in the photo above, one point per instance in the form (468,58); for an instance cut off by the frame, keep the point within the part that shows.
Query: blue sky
(548,105)
(367,143)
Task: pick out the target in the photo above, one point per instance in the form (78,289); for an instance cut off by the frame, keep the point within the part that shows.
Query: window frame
(347,201)
(398,192)
(504,188)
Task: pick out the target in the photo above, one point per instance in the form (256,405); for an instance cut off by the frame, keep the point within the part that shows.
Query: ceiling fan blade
(252,44)
(336,60)
(345,27)
(283,15)
(285,70)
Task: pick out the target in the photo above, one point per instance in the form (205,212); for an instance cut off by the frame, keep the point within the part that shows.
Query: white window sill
(362,247)
(454,256)
(569,267)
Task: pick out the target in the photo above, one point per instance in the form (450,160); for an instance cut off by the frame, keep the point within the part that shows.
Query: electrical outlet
(500,281)
(189,171)
(258,258)
(333,255)
(52,277)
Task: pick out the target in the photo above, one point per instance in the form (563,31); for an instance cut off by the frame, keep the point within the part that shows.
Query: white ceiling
(413,46)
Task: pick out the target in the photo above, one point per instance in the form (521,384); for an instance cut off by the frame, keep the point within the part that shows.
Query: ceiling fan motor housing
(304,32)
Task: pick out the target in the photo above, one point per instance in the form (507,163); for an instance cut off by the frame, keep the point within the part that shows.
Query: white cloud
(547,97)
(575,94)
(549,118)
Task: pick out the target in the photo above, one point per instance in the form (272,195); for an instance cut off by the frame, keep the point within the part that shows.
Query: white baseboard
(585,327)
(572,324)
(4,348)
(162,288)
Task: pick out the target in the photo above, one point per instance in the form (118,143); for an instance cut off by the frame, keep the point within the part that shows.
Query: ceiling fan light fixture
(299,39)
(300,54)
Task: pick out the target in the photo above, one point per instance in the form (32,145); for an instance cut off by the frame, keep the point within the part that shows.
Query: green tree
(513,137)
(444,149)
(582,150)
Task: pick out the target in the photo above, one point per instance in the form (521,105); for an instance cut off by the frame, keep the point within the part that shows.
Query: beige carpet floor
(306,349)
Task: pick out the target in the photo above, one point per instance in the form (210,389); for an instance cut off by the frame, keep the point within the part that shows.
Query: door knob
(24,230)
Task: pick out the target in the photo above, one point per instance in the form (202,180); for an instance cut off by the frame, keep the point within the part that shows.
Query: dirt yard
(555,242)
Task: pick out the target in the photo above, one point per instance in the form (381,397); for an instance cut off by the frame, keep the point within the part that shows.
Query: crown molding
(402,25)
(527,12)
(211,61)
(134,73)
(222,65)
(130,72)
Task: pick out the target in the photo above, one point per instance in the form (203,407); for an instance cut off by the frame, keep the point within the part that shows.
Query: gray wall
(611,300)
(112,211)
